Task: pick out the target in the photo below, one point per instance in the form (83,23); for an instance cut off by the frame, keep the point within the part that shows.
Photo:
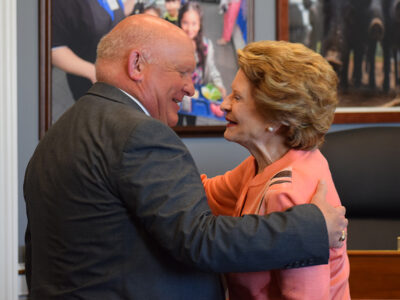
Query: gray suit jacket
(116,210)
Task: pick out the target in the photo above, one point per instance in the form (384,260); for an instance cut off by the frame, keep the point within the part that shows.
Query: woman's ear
(135,65)
(282,127)
(274,127)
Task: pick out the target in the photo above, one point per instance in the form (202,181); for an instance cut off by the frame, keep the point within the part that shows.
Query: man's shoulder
(126,116)
(154,130)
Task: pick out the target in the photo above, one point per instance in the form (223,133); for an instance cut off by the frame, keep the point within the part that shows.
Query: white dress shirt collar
(138,103)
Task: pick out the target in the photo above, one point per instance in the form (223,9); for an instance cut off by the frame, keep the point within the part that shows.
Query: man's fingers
(337,244)
(343,222)
(341,210)
(339,236)
(320,193)
(336,221)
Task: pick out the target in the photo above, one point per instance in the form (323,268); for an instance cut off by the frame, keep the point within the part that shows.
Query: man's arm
(161,187)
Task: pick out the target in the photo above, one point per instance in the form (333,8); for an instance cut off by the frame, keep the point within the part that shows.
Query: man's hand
(335,219)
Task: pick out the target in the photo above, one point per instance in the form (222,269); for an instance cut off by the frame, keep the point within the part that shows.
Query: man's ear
(135,65)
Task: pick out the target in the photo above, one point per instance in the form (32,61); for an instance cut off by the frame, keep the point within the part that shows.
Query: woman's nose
(225,105)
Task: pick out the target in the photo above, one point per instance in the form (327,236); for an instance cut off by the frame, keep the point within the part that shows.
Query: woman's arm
(221,195)
(65,59)
(223,191)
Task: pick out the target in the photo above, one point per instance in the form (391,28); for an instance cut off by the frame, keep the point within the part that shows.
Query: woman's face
(190,23)
(246,126)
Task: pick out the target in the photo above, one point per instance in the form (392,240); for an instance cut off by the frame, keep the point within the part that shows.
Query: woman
(282,103)
(191,21)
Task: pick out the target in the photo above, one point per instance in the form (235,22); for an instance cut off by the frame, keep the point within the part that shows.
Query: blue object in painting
(242,20)
(104,4)
(202,107)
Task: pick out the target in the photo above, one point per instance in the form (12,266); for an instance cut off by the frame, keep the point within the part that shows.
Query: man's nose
(189,87)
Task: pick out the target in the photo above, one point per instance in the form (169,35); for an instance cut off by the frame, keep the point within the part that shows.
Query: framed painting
(359,40)
(55,97)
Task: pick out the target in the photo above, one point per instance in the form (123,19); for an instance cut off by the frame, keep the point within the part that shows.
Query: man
(116,208)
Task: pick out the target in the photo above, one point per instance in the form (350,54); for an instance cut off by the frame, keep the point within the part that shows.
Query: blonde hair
(292,85)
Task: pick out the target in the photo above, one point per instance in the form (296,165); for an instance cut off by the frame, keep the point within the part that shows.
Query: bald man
(115,205)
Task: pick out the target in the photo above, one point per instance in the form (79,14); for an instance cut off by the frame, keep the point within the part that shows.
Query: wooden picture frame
(44,66)
(343,115)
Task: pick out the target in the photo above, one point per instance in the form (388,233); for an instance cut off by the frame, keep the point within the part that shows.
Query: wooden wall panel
(374,274)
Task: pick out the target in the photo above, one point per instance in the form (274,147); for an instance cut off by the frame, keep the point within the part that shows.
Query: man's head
(152,60)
